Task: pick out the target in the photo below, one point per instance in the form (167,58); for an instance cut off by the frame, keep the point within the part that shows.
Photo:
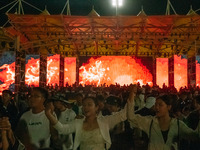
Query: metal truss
(159,36)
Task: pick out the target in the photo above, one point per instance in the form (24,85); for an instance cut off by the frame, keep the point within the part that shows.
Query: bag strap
(150,129)
(178,134)
(150,132)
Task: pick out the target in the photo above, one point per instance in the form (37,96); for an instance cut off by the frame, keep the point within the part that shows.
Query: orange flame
(180,72)
(70,70)
(53,70)
(114,69)
(32,72)
(161,71)
(7,76)
(109,70)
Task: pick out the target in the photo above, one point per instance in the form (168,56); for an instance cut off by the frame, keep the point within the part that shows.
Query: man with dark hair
(37,127)
(78,107)
(102,108)
(65,115)
(8,108)
(193,118)
(113,104)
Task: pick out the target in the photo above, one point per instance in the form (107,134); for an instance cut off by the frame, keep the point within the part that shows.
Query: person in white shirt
(35,131)
(65,115)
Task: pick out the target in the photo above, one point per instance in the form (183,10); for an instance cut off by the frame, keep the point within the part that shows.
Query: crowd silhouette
(129,117)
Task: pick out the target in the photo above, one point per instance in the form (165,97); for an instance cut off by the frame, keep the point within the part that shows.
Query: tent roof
(93,12)
(123,35)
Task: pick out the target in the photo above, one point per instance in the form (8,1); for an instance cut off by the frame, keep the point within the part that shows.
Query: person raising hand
(91,132)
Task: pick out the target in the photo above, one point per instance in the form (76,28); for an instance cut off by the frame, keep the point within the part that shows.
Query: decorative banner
(162,72)
(180,71)
(7,71)
(114,69)
(70,71)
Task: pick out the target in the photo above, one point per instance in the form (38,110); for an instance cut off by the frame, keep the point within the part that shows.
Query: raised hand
(5,124)
(49,108)
(6,133)
(133,91)
(49,111)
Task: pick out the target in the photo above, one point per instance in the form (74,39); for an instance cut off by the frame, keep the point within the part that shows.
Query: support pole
(61,75)
(154,71)
(43,70)
(171,71)
(77,70)
(19,66)
(191,71)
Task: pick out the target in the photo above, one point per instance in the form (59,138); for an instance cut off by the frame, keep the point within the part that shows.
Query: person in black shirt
(8,108)
(192,122)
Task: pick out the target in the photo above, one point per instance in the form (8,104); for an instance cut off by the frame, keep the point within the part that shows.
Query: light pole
(117,4)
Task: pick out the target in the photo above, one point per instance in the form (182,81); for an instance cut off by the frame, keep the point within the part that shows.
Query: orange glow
(7,76)
(53,69)
(32,72)
(161,71)
(198,71)
(180,72)
(114,69)
(70,70)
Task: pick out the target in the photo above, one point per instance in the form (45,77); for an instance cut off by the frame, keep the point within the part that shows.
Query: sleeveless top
(92,140)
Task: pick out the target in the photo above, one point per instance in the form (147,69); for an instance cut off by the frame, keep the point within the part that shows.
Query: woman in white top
(163,131)
(91,132)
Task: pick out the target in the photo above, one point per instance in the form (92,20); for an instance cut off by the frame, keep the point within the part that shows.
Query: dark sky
(104,7)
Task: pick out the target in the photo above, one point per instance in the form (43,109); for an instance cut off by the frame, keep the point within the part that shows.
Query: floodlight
(117,3)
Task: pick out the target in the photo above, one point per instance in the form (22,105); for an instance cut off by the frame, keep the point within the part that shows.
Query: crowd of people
(111,117)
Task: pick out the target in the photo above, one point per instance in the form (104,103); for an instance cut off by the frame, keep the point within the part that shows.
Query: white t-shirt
(65,117)
(38,128)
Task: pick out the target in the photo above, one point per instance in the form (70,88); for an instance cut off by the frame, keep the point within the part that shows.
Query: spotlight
(117,3)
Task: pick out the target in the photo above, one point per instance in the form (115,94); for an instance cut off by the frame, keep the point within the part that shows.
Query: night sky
(103,7)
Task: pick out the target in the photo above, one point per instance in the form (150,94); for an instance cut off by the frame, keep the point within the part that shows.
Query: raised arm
(131,102)
(118,117)
(188,133)
(61,128)
(49,111)
(136,120)
(121,115)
